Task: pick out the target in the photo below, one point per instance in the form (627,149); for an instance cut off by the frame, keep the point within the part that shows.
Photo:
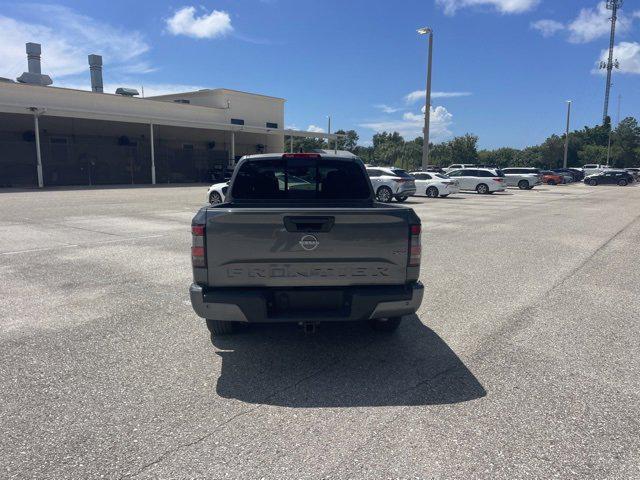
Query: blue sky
(502,68)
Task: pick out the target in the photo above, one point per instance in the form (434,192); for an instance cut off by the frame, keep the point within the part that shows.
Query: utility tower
(612,5)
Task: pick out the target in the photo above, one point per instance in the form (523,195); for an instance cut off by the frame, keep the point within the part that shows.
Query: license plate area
(300,302)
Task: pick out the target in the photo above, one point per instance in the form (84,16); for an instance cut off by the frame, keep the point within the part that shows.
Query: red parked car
(551,178)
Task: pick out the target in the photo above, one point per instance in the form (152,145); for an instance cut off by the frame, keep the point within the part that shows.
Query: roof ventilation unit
(95,68)
(34,75)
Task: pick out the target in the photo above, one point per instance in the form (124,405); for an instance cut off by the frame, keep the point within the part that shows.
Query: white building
(58,136)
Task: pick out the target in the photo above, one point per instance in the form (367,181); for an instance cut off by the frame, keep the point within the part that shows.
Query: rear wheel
(482,189)
(401,199)
(523,185)
(593,182)
(551,182)
(385,324)
(432,192)
(215,198)
(622,183)
(384,194)
(220,327)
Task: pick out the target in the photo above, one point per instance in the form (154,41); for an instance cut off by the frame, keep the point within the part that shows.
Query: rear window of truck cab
(301,178)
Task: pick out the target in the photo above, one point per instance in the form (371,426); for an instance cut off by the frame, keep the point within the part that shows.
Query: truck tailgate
(306,247)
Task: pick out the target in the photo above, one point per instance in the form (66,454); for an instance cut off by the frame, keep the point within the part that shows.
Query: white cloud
(387,108)
(208,25)
(411,124)
(416,95)
(315,129)
(594,23)
(503,6)
(547,28)
(291,127)
(67,38)
(627,54)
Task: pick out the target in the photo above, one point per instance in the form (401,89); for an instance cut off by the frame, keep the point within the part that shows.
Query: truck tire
(523,185)
(384,194)
(215,198)
(385,324)
(220,327)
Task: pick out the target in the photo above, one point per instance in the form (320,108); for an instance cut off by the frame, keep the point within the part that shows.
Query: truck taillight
(198,252)
(415,245)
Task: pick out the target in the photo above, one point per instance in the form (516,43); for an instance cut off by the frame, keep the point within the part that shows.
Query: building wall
(92,152)
(255,110)
(89,138)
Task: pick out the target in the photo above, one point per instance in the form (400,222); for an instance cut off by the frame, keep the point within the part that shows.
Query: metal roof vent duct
(34,75)
(95,67)
(127,92)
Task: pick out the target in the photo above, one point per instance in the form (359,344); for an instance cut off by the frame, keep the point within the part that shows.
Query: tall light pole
(566,135)
(427,105)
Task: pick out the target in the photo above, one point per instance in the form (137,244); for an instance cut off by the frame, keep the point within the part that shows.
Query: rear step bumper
(256,305)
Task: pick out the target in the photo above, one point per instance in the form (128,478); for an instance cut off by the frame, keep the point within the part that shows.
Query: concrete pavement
(522,362)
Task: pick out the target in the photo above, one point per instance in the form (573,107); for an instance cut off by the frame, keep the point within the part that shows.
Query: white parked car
(458,166)
(482,180)
(391,182)
(592,168)
(217,192)
(434,184)
(521,177)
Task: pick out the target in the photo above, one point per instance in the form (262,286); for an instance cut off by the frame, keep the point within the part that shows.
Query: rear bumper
(255,305)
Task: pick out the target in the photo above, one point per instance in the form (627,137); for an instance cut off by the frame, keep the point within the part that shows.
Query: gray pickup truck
(300,238)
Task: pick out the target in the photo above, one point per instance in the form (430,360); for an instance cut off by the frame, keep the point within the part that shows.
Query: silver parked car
(521,177)
(391,182)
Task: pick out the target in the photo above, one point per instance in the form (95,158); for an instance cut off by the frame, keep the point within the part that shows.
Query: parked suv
(551,178)
(576,174)
(390,182)
(482,180)
(610,177)
(523,178)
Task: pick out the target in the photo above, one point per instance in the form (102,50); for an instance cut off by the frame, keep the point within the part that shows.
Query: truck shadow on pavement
(343,365)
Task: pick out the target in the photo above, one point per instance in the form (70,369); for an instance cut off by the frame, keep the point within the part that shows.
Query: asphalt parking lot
(523,362)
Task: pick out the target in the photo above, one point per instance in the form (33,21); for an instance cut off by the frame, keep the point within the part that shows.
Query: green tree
(304,144)
(626,140)
(501,157)
(593,154)
(464,149)
(350,142)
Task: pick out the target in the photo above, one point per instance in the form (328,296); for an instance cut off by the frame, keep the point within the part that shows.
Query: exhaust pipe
(95,67)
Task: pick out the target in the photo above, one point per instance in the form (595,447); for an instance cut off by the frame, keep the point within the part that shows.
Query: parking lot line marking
(81,244)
